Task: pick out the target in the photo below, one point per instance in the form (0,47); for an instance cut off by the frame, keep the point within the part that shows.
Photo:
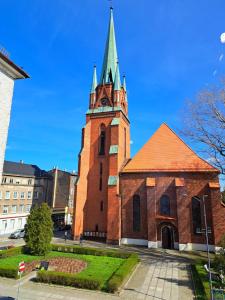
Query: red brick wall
(196,184)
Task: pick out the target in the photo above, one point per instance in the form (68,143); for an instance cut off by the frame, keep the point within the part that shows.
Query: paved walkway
(159,276)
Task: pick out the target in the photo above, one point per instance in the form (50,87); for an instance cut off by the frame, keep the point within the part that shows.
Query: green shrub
(120,275)
(10,252)
(39,230)
(9,272)
(68,279)
(90,251)
(219,262)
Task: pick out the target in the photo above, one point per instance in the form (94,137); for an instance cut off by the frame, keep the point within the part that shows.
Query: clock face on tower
(104,102)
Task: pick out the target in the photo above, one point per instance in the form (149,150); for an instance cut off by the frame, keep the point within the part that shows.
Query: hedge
(90,251)
(120,275)
(11,252)
(67,279)
(9,272)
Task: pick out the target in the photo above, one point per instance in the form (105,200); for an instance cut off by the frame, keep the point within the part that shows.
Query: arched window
(136,213)
(102,140)
(165,205)
(100,176)
(196,215)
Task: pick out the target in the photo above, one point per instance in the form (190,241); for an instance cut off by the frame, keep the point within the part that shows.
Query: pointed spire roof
(110,56)
(94,81)
(166,152)
(117,83)
(124,83)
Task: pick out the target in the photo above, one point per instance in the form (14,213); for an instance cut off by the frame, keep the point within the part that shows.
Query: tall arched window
(196,215)
(102,140)
(165,205)
(136,213)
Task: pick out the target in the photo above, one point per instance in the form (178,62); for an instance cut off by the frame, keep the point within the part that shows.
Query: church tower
(104,151)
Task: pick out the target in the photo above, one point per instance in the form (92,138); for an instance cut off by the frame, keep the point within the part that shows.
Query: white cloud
(221,57)
(222,38)
(131,142)
(214,72)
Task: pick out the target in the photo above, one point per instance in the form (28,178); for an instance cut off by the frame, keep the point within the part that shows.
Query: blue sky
(168,49)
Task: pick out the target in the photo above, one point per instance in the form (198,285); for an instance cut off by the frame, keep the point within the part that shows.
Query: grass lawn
(99,267)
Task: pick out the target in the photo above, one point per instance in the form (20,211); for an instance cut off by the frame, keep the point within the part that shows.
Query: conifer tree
(39,230)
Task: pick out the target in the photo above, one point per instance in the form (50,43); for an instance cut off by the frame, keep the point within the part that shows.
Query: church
(160,197)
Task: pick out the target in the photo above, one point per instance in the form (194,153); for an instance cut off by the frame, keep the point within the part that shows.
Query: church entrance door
(167,237)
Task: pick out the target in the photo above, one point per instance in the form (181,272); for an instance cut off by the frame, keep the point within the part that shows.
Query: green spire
(110,56)
(94,81)
(117,82)
(124,83)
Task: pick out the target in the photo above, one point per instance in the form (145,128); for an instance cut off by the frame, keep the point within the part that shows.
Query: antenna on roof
(4,51)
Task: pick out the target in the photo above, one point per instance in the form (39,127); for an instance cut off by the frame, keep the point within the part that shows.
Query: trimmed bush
(9,272)
(90,251)
(120,275)
(68,280)
(39,230)
(10,252)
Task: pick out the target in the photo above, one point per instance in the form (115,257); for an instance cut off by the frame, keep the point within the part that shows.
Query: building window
(12,223)
(14,209)
(0,195)
(22,195)
(29,181)
(101,206)
(20,222)
(5,209)
(4,180)
(4,224)
(100,176)
(136,213)
(35,195)
(28,208)
(21,208)
(196,215)
(15,195)
(96,227)
(29,195)
(102,140)
(165,205)
(7,195)
(11,180)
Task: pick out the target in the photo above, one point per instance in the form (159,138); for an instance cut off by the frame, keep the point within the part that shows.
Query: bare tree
(204,123)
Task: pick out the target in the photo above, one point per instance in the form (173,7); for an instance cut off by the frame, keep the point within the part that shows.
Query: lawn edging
(200,280)
(122,273)
(67,279)
(90,251)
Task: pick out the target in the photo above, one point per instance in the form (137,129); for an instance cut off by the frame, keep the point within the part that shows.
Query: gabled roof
(166,152)
(15,168)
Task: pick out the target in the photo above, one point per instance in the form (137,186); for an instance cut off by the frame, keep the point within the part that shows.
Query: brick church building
(154,199)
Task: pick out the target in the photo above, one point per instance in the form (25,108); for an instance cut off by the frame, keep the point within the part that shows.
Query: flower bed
(75,266)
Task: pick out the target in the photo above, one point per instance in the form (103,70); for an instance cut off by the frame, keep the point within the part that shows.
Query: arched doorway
(167,237)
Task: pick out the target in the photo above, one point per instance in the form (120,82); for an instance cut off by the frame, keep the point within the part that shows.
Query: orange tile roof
(166,152)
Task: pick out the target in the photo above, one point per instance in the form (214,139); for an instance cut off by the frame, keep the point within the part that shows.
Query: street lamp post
(207,244)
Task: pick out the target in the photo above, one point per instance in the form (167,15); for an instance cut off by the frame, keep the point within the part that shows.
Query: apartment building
(23,185)
(61,195)
(9,72)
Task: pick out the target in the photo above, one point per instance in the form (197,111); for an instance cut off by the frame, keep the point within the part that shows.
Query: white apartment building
(9,72)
